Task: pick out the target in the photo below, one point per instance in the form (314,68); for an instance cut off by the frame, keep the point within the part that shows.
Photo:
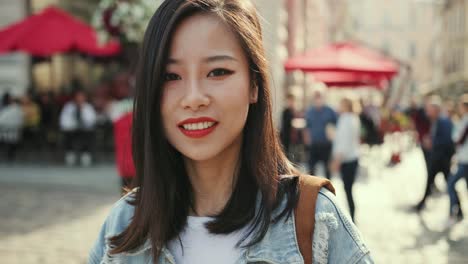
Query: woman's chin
(199,155)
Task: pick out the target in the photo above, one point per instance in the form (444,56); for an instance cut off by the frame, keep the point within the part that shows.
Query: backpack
(304,213)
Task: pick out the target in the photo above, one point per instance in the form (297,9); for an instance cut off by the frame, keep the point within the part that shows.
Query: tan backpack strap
(309,187)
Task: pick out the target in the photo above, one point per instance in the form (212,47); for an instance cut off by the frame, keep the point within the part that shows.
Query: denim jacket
(335,239)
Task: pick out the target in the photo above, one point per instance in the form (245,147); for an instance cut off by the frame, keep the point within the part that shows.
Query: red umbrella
(349,79)
(344,57)
(53,31)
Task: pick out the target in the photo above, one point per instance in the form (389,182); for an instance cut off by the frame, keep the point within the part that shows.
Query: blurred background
(67,75)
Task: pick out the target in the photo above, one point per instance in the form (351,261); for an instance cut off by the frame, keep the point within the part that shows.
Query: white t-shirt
(347,137)
(200,246)
(68,120)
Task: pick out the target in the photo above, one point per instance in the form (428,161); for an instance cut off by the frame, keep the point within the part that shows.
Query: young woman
(345,151)
(208,162)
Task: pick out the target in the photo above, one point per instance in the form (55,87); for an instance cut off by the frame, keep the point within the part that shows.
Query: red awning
(344,57)
(53,31)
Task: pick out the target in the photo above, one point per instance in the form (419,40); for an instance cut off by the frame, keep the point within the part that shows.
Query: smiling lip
(197,133)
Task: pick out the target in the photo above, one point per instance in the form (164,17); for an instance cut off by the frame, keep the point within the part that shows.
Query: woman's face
(207,89)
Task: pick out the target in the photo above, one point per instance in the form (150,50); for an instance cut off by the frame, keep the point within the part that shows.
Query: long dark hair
(165,193)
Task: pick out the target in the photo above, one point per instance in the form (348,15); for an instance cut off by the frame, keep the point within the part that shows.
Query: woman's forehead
(202,36)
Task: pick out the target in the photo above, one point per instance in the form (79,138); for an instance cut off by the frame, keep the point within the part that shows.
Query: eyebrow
(220,58)
(208,59)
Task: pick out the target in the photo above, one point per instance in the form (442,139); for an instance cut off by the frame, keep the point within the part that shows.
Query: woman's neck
(213,180)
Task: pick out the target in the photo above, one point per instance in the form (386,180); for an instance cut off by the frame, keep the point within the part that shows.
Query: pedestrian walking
(286,124)
(49,116)
(77,121)
(460,136)
(213,184)
(320,118)
(345,152)
(421,124)
(370,124)
(6,97)
(11,125)
(440,145)
(32,120)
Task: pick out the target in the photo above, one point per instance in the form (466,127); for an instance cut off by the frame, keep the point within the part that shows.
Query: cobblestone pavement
(52,215)
(55,216)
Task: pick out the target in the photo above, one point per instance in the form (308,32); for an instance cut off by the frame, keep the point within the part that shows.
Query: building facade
(431,36)
(309,24)
(405,30)
(453,75)
(14,67)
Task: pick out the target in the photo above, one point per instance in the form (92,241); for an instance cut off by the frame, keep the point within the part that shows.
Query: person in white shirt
(11,116)
(345,150)
(77,121)
(460,138)
(11,125)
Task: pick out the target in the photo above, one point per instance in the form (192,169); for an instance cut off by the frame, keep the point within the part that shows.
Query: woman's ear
(254,90)
(254,94)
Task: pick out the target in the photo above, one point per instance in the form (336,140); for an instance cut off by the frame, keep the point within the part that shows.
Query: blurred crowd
(75,124)
(334,137)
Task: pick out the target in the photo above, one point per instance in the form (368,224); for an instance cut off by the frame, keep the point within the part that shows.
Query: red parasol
(349,79)
(53,31)
(344,57)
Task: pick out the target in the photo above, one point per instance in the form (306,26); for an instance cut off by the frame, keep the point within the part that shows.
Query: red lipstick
(194,131)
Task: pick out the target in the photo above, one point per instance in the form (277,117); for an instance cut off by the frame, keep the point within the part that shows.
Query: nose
(195,97)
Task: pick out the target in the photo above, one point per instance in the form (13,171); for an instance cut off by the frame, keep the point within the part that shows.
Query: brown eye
(219,72)
(171,77)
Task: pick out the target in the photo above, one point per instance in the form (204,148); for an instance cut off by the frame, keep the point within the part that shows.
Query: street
(52,215)
(393,233)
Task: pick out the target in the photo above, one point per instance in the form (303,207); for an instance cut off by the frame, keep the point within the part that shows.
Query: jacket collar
(278,246)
